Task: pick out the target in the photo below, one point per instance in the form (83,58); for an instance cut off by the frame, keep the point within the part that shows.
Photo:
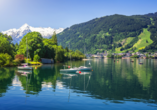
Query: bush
(35,63)
(118,56)
(5,59)
(110,56)
(16,62)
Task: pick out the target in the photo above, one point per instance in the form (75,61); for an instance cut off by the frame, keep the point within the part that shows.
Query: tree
(16,47)
(54,38)
(59,53)
(146,41)
(20,57)
(5,59)
(9,38)
(110,55)
(147,55)
(66,49)
(135,56)
(34,43)
(49,49)
(5,46)
(36,58)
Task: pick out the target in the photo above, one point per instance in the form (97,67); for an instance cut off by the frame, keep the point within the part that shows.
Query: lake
(118,85)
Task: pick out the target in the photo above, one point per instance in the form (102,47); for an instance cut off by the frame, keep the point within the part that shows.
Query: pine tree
(146,41)
(54,38)
(66,49)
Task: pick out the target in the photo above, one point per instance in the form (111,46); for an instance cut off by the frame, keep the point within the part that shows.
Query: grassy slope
(127,41)
(141,43)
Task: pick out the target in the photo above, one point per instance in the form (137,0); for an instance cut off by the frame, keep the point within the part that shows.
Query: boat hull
(68,70)
(84,68)
(25,68)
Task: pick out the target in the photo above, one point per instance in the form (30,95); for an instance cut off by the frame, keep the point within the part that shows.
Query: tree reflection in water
(112,81)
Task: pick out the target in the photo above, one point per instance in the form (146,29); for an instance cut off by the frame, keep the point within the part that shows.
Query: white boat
(25,67)
(84,68)
(70,70)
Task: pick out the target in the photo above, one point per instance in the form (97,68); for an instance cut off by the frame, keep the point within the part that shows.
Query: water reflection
(6,76)
(116,82)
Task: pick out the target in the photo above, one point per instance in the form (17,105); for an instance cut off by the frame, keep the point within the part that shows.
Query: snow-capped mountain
(17,34)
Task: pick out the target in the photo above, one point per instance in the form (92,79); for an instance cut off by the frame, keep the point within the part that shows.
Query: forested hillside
(111,33)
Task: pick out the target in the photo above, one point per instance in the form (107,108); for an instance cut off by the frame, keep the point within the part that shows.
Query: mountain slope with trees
(108,33)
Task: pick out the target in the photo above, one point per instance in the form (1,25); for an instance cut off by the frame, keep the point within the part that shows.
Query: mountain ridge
(17,34)
(107,33)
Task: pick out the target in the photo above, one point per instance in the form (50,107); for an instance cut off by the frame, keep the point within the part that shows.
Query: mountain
(116,33)
(17,34)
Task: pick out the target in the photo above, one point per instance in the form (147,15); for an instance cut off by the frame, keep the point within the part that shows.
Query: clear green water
(111,85)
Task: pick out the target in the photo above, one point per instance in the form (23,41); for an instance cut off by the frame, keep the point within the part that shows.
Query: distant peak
(25,25)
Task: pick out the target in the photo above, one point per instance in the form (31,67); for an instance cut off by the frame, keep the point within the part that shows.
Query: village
(128,55)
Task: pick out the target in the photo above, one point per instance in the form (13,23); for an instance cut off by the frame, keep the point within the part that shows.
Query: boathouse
(47,61)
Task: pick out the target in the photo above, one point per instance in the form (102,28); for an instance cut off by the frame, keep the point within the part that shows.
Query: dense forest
(36,47)
(110,32)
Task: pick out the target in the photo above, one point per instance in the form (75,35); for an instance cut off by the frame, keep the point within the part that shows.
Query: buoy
(68,66)
(92,70)
(79,71)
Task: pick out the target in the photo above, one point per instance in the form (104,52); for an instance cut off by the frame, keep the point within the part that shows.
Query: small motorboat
(84,68)
(25,67)
(70,70)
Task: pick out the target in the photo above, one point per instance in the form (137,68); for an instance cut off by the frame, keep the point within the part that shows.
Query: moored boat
(84,68)
(25,67)
(71,70)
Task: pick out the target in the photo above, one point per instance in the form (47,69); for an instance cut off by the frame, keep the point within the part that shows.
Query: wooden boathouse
(47,61)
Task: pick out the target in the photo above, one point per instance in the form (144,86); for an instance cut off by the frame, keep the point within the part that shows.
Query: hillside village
(124,55)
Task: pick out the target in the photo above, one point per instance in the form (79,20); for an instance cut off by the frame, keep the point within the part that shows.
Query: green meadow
(144,40)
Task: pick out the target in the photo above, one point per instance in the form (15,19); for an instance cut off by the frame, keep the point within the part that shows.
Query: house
(155,54)
(47,61)
(133,53)
(138,53)
(128,54)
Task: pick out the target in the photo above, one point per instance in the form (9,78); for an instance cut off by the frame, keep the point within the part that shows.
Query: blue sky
(65,13)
